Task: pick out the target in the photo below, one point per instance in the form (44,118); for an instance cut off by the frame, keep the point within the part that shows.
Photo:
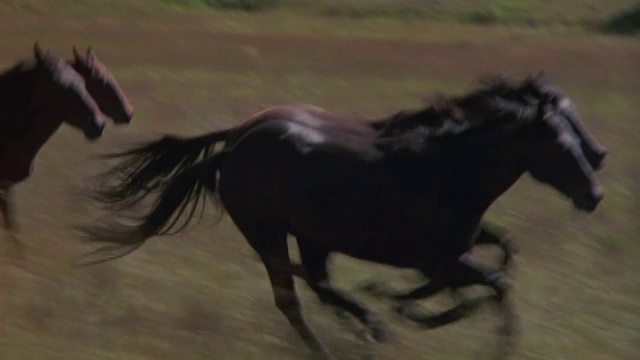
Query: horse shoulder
(16,161)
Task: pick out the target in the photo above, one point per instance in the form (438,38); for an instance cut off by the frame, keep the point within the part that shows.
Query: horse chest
(16,162)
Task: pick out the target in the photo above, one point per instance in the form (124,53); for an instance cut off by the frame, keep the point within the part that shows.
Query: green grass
(618,16)
(204,294)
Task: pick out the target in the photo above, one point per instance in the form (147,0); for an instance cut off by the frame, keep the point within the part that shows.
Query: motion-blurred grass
(204,294)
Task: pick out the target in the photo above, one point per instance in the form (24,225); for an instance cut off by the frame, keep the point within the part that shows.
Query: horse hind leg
(271,244)
(314,260)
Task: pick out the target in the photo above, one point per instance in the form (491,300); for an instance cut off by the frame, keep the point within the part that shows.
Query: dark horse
(409,190)
(28,116)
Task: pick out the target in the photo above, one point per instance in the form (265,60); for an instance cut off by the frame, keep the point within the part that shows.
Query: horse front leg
(490,235)
(486,235)
(7,209)
(314,260)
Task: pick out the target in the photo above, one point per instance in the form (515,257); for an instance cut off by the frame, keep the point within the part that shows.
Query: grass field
(204,294)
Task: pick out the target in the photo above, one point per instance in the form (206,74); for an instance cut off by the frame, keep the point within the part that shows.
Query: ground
(204,294)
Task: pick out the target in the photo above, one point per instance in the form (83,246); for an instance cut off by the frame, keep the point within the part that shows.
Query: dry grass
(204,294)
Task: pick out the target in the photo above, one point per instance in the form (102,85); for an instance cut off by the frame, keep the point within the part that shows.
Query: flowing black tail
(181,193)
(149,167)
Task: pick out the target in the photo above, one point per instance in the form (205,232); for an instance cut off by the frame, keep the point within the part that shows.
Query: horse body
(362,196)
(409,190)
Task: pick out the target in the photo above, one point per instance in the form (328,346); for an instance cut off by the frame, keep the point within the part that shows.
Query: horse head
(539,87)
(61,96)
(103,86)
(556,155)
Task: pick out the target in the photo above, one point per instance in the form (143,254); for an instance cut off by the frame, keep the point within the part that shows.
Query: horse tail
(146,168)
(181,195)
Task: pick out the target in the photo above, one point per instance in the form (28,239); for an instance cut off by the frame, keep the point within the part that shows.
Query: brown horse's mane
(495,98)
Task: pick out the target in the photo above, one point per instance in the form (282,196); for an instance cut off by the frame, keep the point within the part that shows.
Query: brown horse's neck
(16,92)
(42,130)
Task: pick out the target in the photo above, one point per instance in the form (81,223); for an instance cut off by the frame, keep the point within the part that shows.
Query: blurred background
(190,66)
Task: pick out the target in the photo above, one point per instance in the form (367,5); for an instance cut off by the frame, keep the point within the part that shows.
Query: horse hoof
(378,333)
(401,309)
(342,315)
(372,288)
(376,329)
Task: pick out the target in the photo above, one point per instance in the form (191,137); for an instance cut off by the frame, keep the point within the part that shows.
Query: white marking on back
(307,118)
(307,136)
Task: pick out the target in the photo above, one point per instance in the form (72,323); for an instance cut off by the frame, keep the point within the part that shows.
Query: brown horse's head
(555,156)
(61,95)
(103,87)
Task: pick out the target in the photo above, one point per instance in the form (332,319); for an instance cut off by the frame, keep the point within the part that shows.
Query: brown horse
(409,190)
(36,97)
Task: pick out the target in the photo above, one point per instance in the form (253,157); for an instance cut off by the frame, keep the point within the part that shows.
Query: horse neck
(489,169)
(41,131)
(17,86)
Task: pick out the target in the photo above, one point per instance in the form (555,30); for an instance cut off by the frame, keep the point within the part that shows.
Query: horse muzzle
(589,201)
(94,133)
(596,155)
(124,118)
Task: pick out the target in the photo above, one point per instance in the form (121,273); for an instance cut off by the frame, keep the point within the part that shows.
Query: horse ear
(76,55)
(91,56)
(540,78)
(38,52)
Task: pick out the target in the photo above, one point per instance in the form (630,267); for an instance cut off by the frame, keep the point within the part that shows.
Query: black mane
(495,99)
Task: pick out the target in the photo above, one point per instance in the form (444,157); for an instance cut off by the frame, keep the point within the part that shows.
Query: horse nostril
(596,157)
(97,133)
(597,193)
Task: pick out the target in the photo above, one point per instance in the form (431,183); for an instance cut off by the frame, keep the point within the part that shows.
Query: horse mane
(494,99)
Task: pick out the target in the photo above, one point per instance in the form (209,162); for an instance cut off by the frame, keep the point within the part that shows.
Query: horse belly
(356,212)
(334,198)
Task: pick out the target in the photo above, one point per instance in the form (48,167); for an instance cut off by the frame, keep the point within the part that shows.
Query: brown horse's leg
(6,206)
(314,260)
